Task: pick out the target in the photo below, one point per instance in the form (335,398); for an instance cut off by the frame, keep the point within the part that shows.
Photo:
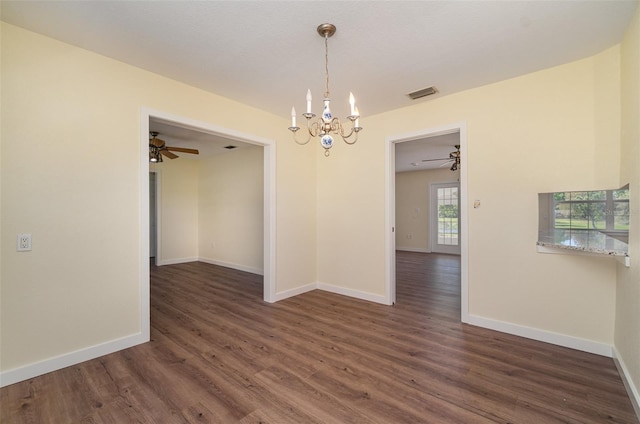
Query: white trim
(632,390)
(353,293)
(250,269)
(390,218)
(584,345)
(58,362)
(413,249)
(332,289)
(464,225)
(158,173)
(269,260)
(294,292)
(269,154)
(145,265)
(390,221)
(175,261)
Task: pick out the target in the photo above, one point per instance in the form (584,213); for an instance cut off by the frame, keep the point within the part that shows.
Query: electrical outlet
(24,242)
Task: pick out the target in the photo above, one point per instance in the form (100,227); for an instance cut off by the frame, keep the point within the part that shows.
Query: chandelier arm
(350,142)
(294,130)
(341,130)
(353,130)
(351,133)
(336,127)
(314,128)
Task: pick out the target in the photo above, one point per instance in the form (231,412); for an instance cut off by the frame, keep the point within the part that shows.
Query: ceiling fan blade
(431,160)
(446,163)
(183,150)
(168,154)
(156,142)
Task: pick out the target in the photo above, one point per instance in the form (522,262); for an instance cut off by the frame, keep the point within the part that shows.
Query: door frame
(158,235)
(269,214)
(390,209)
(433,218)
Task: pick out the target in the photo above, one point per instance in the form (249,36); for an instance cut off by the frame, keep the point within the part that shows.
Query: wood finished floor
(219,354)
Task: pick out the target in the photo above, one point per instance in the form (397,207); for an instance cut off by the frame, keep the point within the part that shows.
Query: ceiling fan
(453,159)
(158,148)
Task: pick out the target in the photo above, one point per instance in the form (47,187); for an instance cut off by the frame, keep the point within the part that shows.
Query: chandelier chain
(326,65)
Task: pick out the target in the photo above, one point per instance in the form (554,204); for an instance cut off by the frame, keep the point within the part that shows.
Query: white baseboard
(58,362)
(239,267)
(330,288)
(352,293)
(632,390)
(584,345)
(160,262)
(295,292)
(413,249)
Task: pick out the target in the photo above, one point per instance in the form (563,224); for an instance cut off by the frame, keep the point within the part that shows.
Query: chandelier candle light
(327,124)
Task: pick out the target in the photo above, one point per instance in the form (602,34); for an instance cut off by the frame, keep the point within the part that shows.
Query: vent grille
(423,93)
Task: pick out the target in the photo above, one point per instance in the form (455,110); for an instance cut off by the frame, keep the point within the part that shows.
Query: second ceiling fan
(158,148)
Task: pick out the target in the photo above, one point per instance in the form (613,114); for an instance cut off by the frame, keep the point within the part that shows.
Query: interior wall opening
(151,118)
(416,164)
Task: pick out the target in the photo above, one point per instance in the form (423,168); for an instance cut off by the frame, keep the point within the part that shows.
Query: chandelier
(327,125)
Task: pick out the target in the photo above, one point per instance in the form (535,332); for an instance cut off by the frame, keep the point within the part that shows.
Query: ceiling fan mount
(159,148)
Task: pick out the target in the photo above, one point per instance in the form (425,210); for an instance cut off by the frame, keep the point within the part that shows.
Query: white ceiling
(267,53)
(411,155)
(183,136)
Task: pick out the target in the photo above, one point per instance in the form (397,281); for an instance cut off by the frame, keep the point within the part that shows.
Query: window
(601,210)
(447,204)
(585,222)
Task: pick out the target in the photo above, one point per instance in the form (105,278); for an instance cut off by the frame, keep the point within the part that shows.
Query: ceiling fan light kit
(158,148)
(327,124)
(455,157)
(154,154)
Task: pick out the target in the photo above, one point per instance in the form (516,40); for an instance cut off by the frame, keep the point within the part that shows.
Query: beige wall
(212,209)
(627,324)
(536,133)
(413,206)
(71,146)
(231,209)
(178,210)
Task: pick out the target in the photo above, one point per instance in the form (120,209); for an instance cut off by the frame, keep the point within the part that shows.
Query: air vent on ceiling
(230,147)
(423,93)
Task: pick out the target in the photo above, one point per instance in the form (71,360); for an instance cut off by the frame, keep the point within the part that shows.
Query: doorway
(390,213)
(269,210)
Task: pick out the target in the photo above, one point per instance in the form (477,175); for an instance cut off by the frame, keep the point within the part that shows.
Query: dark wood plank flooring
(220,355)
